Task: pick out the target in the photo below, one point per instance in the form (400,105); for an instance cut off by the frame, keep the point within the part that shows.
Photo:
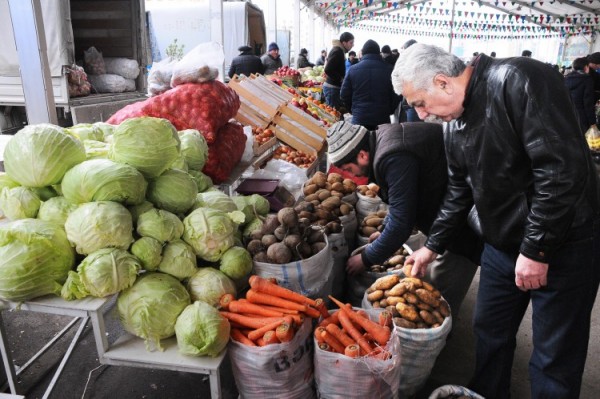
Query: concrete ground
(84,377)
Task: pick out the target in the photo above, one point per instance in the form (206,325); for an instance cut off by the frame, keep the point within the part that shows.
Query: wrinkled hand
(419,261)
(530,274)
(355,265)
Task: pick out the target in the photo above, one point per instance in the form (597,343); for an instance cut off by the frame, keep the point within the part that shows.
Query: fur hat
(370,47)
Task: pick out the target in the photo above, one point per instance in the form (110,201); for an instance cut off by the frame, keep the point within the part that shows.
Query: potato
(310,189)
(337,194)
(407,269)
(323,194)
(407,312)
(387,282)
(423,306)
(383,303)
(367,231)
(438,316)
(376,305)
(345,209)
(396,260)
(311,197)
(444,308)
(349,186)
(373,222)
(393,311)
(382,214)
(427,297)
(428,286)
(337,186)
(334,227)
(397,290)
(403,323)
(416,281)
(319,179)
(322,214)
(335,178)
(394,300)
(410,298)
(427,317)
(375,296)
(370,193)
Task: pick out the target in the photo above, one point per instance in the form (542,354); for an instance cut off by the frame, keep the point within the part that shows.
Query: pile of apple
(286,71)
(298,158)
(261,136)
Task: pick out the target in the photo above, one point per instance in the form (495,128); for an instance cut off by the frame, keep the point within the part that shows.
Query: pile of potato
(333,182)
(395,262)
(372,223)
(285,238)
(370,190)
(413,303)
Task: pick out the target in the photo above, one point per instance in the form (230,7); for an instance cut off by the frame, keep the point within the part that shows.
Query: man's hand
(530,274)
(374,236)
(419,261)
(355,265)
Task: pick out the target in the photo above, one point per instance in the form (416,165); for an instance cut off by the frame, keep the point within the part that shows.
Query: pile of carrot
(353,333)
(269,314)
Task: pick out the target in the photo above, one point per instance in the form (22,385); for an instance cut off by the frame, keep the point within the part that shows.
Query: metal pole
(451,26)
(296,39)
(271,22)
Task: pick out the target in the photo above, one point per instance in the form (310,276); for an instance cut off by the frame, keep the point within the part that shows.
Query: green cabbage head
(215,200)
(148,144)
(102,273)
(203,182)
(160,224)
(107,129)
(194,148)
(178,260)
(236,263)
(149,308)
(137,210)
(39,155)
(174,191)
(96,149)
(96,225)
(19,203)
(56,210)
(104,180)
(6,181)
(35,258)
(209,285)
(201,330)
(209,232)
(86,131)
(148,250)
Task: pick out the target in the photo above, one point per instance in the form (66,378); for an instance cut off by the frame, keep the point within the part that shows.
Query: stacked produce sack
(110,75)
(102,209)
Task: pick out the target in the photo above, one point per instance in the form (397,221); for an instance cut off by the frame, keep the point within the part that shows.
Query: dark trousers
(560,319)
(332,97)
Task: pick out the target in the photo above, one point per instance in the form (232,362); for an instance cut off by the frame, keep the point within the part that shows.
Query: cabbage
(209,285)
(86,131)
(45,193)
(96,149)
(253,225)
(149,308)
(180,163)
(107,129)
(56,210)
(178,260)
(148,250)
(209,232)
(260,204)
(148,144)
(193,148)
(102,273)
(215,200)
(39,155)
(104,180)
(160,225)
(236,263)
(137,210)
(242,205)
(201,330)
(202,181)
(6,181)
(174,191)
(96,225)
(35,258)
(19,203)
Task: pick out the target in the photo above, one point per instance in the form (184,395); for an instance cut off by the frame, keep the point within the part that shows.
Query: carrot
(237,335)
(324,347)
(248,307)
(354,333)
(259,332)
(317,334)
(385,319)
(381,334)
(339,335)
(362,313)
(332,342)
(332,319)
(273,308)
(260,284)
(225,300)
(320,306)
(262,298)
(352,351)
(270,337)
(284,332)
(261,342)
(312,312)
(247,322)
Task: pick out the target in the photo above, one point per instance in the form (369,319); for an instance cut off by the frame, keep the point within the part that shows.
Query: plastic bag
(159,78)
(290,176)
(452,391)
(592,136)
(201,64)
(129,69)
(93,62)
(248,151)
(108,83)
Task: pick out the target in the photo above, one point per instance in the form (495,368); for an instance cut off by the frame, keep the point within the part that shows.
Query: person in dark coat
(303,61)
(367,90)
(271,61)
(352,60)
(594,65)
(581,88)
(322,58)
(386,54)
(246,63)
(335,69)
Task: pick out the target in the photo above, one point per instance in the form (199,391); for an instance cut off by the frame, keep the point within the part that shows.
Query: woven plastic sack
(341,377)
(225,153)
(200,64)
(278,371)
(108,83)
(159,77)
(128,68)
(93,62)
(339,250)
(350,224)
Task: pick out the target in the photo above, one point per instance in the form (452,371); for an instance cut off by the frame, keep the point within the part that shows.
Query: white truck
(117,28)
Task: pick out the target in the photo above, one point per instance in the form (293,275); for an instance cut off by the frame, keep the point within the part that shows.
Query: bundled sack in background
(282,370)
(125,67)
(78,82)
(108,83)
(199,65)
(225,153)
(202,106)
(93,62)
(159,77)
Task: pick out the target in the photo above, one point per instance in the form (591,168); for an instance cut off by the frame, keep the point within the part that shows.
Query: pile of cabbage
(98,209)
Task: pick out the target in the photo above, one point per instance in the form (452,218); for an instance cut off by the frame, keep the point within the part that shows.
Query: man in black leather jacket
(515,151)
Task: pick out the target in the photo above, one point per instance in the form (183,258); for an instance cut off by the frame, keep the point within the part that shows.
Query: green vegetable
(104,180)
(86,131)
(96,225)
(236,263)
(137,210)
(209,232)
(56,210)
(160,224)
(209,285)
(148,250)
(39,155)
(19,203)
(202,181)
(254,225)
(6,181)
(193,148)
(201,330)
(149,308)
(148,144)
(215,200)
(96,149)
(260,204)
(45,193)
(180,163)
(102,273)
(174,191)
(35,258)
(107,129)
(178,260)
